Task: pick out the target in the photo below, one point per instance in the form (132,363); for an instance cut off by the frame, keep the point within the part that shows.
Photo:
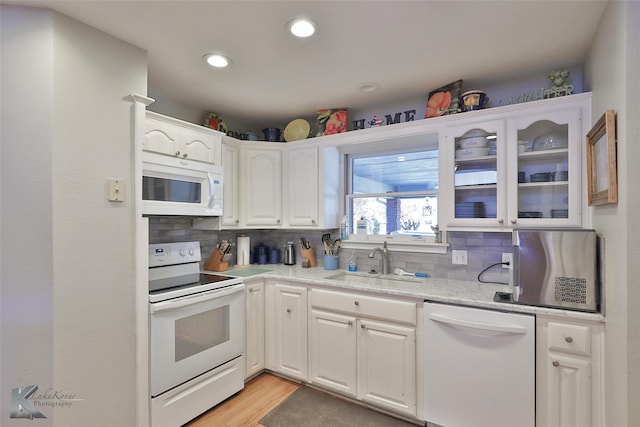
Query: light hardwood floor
(259,396)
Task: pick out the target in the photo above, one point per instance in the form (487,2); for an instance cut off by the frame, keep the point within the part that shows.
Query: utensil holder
(215,261)
(331,262)
(310,255)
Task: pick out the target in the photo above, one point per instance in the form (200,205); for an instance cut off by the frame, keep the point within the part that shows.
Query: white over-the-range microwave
(177,186)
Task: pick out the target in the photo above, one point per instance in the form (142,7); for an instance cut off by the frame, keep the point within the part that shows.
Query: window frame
(424,243)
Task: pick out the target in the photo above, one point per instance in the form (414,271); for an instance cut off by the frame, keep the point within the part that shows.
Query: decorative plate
(297,129)
(214,121)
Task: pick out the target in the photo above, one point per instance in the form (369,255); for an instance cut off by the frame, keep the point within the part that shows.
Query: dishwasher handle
(478,326)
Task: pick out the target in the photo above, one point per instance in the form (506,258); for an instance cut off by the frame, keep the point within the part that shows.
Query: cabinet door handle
(555,363)
(185,155)
(177,153)
(251,290)
(288,310)
(237,221)
(501,221)
(569,339)
(513,221)
(278,221)
(356,303)
(350,322)
(362,325)
(313,221)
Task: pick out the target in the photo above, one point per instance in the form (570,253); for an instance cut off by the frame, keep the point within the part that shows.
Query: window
(393,191)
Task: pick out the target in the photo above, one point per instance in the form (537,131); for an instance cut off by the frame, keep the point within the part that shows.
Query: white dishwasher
(479,367)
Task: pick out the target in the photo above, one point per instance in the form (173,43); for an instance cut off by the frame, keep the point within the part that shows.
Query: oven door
(194,334)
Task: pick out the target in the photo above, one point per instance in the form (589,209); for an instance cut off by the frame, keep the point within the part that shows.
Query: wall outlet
(459,257)
(507,257)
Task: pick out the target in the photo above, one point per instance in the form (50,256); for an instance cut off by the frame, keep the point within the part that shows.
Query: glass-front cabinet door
(544,164)
(477,152)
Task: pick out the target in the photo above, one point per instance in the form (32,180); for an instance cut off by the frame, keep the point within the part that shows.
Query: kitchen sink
(371,279)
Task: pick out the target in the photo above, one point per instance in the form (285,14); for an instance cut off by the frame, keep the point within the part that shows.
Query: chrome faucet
(384,254)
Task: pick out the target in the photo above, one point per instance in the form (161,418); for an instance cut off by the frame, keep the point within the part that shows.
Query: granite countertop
(459,292)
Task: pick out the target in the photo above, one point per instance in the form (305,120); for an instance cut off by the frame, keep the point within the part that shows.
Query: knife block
(308,254)
(215,263)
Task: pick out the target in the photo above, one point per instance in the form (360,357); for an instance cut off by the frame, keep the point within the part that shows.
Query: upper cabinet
(261,165)
(173,137)
(522,168)
(273,185)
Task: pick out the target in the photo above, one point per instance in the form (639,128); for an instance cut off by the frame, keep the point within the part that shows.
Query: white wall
(611,73)
(66,130)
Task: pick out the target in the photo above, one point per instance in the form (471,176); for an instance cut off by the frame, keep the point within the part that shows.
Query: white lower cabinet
(286,319)
(364,347)
(569,373)
(254,349)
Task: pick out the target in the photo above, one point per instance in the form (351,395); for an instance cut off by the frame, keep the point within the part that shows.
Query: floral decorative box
(332,121)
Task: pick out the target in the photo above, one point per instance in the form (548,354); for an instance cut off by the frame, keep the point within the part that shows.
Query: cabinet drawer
(569,338)
(365,306)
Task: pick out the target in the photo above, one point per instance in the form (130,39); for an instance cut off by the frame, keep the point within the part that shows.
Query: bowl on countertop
(471,152)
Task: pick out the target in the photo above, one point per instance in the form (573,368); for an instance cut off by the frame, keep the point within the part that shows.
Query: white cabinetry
(569,373)
(262,191)
(254,348)
(173,137)
(531,175)
(286,319)
(301,196)
(364,347)
(274,185)
(231,178)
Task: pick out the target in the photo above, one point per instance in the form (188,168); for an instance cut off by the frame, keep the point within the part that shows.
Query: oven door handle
(194,299)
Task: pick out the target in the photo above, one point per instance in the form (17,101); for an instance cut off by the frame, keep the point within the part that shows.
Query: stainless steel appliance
(196,340)
(289,254)
(556,268)
(177,186)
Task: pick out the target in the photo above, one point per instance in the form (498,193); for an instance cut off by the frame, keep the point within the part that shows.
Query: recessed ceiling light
(302,27)
(217,61)
(369,87)
(402,158)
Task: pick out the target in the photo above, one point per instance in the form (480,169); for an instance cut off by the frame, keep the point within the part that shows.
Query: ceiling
(407,47)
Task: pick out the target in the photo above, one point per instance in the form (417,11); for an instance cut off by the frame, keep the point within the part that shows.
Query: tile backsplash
(483,249)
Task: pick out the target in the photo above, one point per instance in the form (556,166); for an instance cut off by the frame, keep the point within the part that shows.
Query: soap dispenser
(353,264)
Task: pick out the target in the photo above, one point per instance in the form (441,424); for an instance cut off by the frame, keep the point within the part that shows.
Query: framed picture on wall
(602,168)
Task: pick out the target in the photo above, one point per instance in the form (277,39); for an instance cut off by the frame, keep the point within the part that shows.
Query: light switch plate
(459,257)
(116,190)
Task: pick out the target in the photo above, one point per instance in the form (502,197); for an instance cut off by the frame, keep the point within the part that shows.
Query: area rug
(309,408)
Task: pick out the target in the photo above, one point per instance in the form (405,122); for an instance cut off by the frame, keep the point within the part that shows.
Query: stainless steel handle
(350,322)
(513,221)
(501,221)
(555,363)
(569,339)
(194,299)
